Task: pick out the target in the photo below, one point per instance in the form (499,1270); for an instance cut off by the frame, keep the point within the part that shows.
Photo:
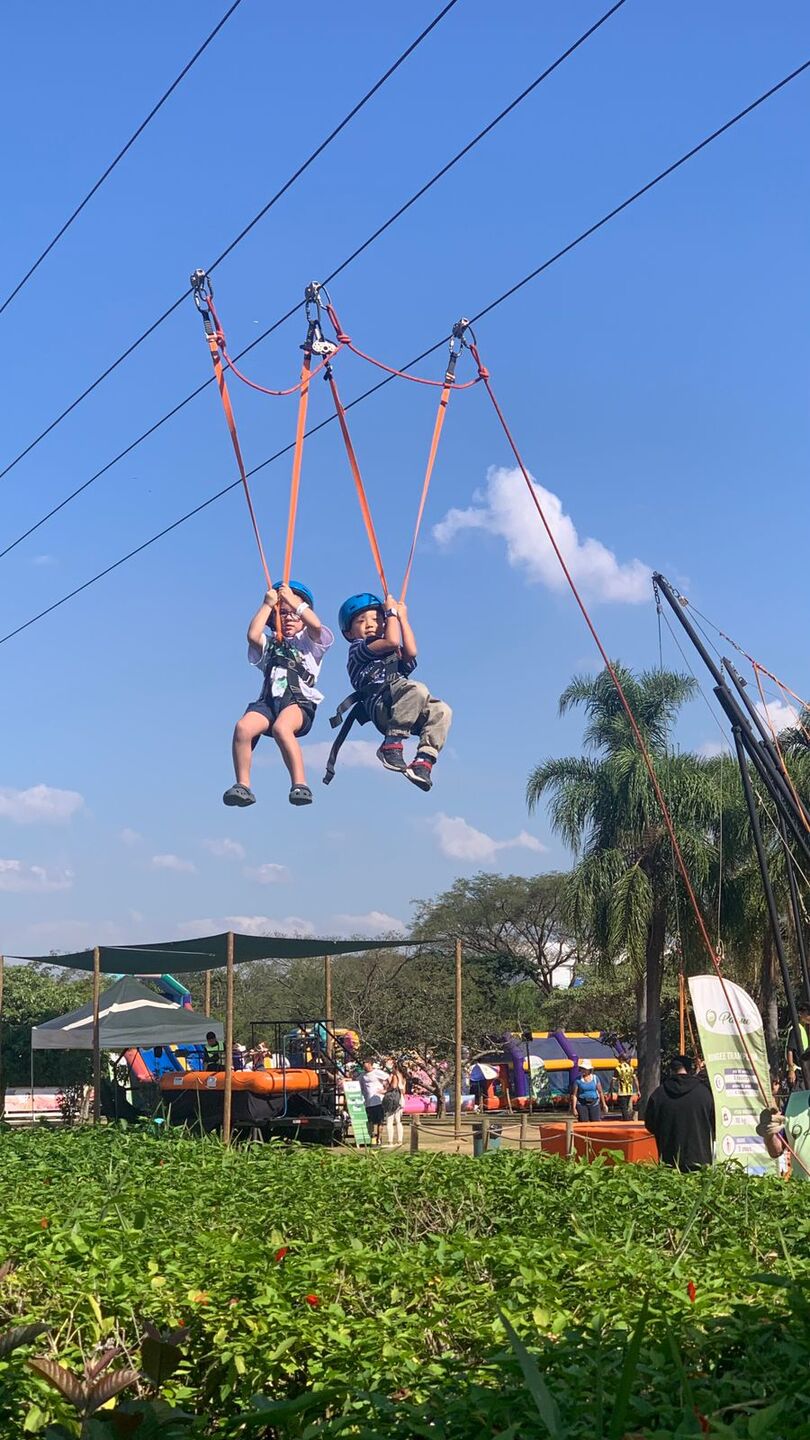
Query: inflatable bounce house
(534,1070)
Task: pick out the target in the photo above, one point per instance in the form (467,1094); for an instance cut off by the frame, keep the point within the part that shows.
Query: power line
(150,330)
(499,300)
(119,157)
(339,269)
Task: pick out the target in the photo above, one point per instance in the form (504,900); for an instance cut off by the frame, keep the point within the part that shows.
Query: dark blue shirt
(367,670)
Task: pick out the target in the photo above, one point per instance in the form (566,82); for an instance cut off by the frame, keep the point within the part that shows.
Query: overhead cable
(119,157)
(338,270)
(387,379)
(150,330)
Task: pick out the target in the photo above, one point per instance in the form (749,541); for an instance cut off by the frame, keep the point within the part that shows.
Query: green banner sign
(722,1011)
(356,1107)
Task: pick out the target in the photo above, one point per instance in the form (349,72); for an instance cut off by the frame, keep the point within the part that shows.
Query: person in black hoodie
(680,1116)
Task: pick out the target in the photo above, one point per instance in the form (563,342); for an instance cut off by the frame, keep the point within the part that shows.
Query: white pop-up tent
(129,1016)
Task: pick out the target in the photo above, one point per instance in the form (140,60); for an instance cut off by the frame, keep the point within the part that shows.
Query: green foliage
(381,1317)
(514,923)
(31,995)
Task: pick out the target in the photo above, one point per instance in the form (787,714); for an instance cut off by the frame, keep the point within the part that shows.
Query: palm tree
(623,896)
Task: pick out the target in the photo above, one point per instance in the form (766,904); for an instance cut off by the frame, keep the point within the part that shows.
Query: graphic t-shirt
(272,655)
(625,1077)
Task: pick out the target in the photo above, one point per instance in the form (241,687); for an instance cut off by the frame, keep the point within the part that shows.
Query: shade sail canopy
(207,953)
(130,1016)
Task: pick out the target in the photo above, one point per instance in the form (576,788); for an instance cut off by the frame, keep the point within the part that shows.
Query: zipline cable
(387,380)
(237,239)
(288,314)
(119,157)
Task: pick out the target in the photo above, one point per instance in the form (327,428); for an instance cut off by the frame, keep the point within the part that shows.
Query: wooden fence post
(458,1046)
(524,1130)
(414,1134)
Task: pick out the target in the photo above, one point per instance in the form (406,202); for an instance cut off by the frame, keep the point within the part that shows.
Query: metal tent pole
(96,1035)
(228,1090)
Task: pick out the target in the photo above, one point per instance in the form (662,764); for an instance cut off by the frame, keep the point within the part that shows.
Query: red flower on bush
(44,1223)
(691,1291)
(313,1300)
(281,1254)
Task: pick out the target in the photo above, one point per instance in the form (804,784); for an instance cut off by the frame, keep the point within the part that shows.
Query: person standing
(373,1083)
(626,1088)
(680,1117)
(392,1105)
(587,1096)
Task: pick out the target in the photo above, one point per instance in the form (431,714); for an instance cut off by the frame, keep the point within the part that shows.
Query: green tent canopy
(129,1016)
(208,953)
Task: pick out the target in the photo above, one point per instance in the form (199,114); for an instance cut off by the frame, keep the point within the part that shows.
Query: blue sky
(655,379)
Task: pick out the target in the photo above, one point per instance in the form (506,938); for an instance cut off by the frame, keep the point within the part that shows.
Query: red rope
(345,341)
(223,346)
(639,738)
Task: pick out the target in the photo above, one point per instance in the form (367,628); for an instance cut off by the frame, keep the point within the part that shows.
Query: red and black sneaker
(421,771)
(390,753)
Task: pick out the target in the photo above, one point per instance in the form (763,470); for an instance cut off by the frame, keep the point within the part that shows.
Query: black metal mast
(746,724)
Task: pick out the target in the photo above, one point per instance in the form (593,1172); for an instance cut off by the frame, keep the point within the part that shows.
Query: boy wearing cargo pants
(382,658)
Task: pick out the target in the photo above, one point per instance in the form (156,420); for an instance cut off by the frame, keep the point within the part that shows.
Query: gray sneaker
(239,795)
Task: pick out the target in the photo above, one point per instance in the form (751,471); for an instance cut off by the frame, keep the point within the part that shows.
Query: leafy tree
(31,995)
(621,896)
(517,924)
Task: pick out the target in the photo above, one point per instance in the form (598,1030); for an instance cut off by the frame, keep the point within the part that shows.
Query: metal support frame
(747,725)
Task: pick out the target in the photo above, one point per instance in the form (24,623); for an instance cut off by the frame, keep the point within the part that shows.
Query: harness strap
(202,295)
(357,713)
(298,457)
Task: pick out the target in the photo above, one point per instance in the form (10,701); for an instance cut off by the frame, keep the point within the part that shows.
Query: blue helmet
(302,591)
(354,606)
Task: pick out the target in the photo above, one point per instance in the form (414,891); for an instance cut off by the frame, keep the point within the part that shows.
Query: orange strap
(434,447)
(213,344)
(298,456)
(358,483)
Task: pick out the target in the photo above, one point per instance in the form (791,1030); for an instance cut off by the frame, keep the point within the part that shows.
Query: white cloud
(75,934)
(374,922)
(225,849)
(268,874)
(710,749)
(291,927)
(460,841)
(780,715)
(39,805)
(173,862)
(43,560)
(505,509)
(129,837)
(15,875)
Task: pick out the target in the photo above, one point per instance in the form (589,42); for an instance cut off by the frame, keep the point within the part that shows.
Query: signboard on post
(356,1109)
(738,1101)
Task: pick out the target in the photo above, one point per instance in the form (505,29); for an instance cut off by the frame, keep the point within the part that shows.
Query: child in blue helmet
(382,657)
(286,707)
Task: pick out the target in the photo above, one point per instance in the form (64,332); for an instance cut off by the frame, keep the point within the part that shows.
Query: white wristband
(299,609)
